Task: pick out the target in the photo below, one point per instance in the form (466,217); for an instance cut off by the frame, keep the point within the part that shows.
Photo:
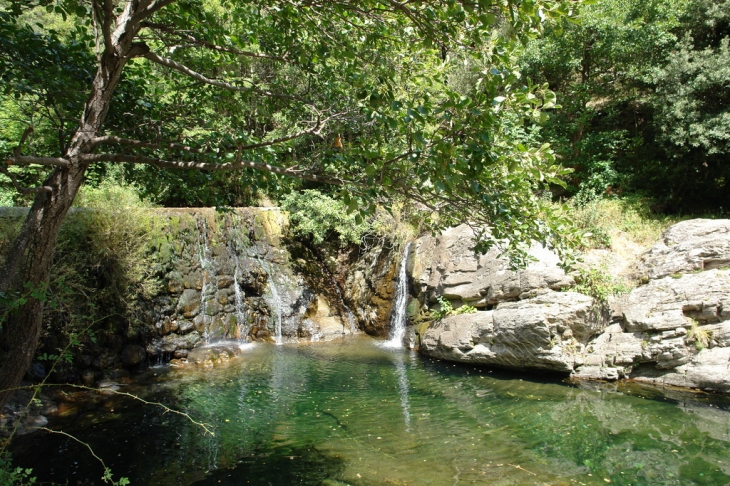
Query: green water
(355,413)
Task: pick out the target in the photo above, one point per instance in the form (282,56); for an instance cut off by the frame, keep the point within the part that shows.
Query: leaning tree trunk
(31,259)
(28,264)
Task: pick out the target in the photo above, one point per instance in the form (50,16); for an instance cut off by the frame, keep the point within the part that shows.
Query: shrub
(699,336)
(599,284)
(604,219)
(318,216)
(448,310)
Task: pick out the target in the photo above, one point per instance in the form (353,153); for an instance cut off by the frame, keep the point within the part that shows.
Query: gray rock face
(670,303)
(446,266)
(669,334)
(545,332)
(675,330)
(693,245)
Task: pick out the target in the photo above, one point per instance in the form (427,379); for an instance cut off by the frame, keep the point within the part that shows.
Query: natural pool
(354,412)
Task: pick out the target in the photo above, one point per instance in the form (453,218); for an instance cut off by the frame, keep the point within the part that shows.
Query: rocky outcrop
(446,266)
(369,286)
(545,332)
(232,277)
(522,321)
(695,245)
(672,330)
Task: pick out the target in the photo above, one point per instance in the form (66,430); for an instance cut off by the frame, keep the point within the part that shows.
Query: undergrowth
(603,220)
(599,284)
(102,265)
(448,310)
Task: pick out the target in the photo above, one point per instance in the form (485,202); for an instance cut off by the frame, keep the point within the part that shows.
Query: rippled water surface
(357,413)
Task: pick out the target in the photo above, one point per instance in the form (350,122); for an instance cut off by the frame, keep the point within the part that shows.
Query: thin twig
(91,451)
(522,469)
(167,409)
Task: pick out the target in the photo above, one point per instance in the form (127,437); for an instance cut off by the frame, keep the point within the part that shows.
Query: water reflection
(399,361)
(355,413)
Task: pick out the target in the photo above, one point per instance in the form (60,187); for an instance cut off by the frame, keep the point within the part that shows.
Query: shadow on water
(354,413)
(297,465)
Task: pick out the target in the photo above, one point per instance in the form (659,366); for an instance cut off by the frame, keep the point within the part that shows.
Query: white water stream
(398,319)
(207,270)
(274,301)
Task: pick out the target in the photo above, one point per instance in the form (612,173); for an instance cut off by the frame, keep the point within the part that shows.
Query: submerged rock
(214,354)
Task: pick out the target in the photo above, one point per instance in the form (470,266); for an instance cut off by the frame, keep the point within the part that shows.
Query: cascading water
(206,267)
(275,301)
(239,295)
(398,319)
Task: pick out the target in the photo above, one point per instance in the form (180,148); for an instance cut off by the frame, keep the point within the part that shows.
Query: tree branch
(28,159)
(107,139)
(213,82)
(151,9)
(23,138)
(106,21)
(18,187)
(211,166)
(197,42)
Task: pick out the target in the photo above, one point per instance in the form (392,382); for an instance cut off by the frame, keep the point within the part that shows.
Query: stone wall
(229,276)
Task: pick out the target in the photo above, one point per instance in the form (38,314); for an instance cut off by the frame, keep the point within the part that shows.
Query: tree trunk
(28,264)
(33,265)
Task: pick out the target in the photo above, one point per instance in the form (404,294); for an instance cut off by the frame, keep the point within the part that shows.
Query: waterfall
(275,301)
(398,318)
(277,305)
(206,268)
(241,317)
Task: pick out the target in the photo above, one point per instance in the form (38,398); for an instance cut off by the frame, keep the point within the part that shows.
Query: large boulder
(446,266)
(690,246)
(545,332)
(672,302)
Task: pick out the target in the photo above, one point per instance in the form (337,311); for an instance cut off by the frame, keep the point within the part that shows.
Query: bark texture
(28,263)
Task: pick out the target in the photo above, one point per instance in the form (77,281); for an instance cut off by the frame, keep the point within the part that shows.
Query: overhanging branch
(194,41)
(315,130)
(18,187)
(214,82)
(212,166)
(28,159)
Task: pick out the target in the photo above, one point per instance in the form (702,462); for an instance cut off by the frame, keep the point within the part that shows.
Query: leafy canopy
(380,99)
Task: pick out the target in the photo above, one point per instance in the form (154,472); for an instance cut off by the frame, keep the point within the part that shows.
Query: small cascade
(398,319)
(241,316)
(275,301)
(206,267)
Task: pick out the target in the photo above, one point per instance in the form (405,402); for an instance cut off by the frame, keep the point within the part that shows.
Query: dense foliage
(423,105)
(644,89)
